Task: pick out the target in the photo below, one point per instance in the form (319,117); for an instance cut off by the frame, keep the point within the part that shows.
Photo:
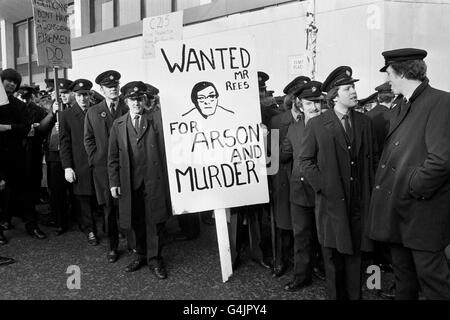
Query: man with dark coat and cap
(301,194)
(97,126)
(337,158)
(74,158)
(280,181)
(269,107)
(410,205)
(138,178)
(57,184)
(13,130)
(380,114)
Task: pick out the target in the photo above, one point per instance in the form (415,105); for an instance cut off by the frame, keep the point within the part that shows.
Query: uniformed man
(152,97)
(337,159)
(380,114)
(57,184)
(280,181)
(410,203)
(137,177)
(269,107)
(33,152)
(97,126)
(301,194)
(74,158)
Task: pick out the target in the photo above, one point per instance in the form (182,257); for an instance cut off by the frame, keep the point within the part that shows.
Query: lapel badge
(103,114)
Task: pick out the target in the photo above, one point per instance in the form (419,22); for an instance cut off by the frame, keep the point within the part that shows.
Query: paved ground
(193,268)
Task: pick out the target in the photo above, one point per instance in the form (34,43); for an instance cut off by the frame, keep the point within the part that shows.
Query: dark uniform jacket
(98,123)
(52,144)
(410,203)
(325,159)
(380,116)
(301,192)
(72,152)
(119,168)
(280,181)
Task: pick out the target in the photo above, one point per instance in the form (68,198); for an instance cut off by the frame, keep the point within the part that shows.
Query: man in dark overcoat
(98,123)
(337,158)
(410,205)
(301,194)
(280,181)
(74,158)
(137,177)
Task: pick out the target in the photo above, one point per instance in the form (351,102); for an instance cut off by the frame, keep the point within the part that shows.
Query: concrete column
(82,18)
(7,39)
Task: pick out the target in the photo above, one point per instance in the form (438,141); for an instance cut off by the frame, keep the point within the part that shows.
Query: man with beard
(410,205)
(97,126)
(138,178)
(337,158)
(74,158)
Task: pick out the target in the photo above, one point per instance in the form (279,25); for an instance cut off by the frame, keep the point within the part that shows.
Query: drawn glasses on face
(209,97)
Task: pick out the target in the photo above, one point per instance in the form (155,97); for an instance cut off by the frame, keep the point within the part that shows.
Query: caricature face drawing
(207,101)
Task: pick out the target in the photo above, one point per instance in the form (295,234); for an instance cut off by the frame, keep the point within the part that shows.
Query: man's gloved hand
(115,192)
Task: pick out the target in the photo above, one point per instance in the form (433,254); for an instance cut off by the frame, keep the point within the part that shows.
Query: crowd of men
(352,186)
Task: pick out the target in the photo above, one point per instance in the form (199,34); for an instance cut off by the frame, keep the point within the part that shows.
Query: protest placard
(161,28)
(212,123)
(3,96)
(52,33)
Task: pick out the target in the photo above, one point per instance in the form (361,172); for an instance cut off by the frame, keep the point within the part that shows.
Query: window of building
(71,20)
(186,4)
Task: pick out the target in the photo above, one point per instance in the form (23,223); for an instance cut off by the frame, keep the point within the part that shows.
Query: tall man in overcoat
(98,123)
(337,158)
(74,158)
(280,181)
(137,177)
(410,205)
(301,194)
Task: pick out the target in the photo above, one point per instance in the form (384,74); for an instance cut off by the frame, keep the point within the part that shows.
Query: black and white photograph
(225,158)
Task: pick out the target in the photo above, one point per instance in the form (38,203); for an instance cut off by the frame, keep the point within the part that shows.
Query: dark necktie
(347,127)
(136,124)
(113,109)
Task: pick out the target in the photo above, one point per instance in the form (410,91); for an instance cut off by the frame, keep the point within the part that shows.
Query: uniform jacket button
(383,166)
(397,143)
(377,187)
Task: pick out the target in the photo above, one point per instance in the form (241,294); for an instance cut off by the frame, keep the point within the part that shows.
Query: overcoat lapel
(332,123)
(357,131)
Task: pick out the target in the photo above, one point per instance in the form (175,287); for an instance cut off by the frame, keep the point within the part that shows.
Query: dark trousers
(283,241)
(147,232)
(189,224)
(414,270)
(306,245)
(59,189)
(343,274)
(86,215)
(111,211)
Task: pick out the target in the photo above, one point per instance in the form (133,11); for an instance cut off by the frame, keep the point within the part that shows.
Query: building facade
(107,34)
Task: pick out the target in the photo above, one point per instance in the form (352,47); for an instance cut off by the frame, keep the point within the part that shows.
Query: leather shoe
(60,231)
(37,233)
(159,271)
(5,225)
(5,261)
(135,265)
(3,239)
(319,274)
(278,270)
(296,285)
(92,239)
(112,256)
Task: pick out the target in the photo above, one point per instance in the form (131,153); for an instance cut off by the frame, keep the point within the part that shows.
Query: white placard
(212,123)
(298,65)
(161,28)
(3,96)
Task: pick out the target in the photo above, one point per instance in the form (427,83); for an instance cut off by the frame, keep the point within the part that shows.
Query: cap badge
(81,84)
(135,89)
(111,77)
(313,89)
(348,73)
(61,85)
